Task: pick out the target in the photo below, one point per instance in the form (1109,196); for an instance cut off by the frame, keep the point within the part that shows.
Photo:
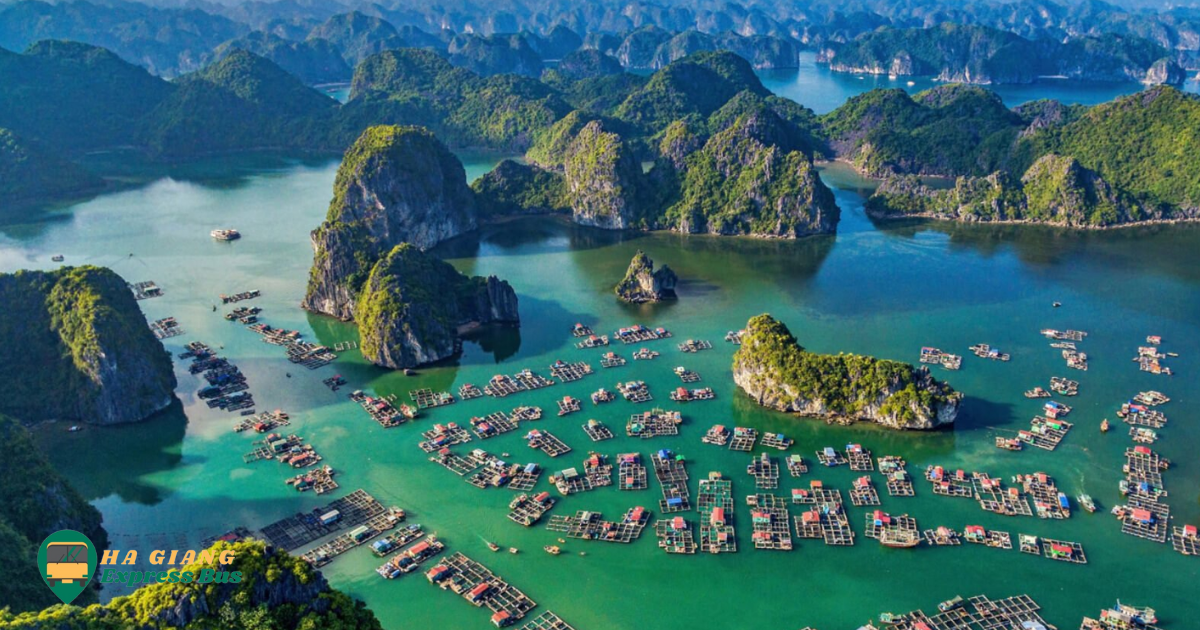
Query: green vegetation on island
(413,306)
(777,372)
(78,349)
(643,283)
(276,590)
(37,502)
(27,173)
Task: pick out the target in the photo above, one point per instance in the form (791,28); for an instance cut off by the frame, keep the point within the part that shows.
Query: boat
(1087,502)
(493,546)
(226,234)
(1056,304)
(1104,426)
(513,550)
(1140,616)
(552,550)
(950,604)
(57,258)
(74,428)
(561,541)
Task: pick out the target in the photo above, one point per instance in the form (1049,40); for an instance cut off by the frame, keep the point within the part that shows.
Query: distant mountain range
(307,37)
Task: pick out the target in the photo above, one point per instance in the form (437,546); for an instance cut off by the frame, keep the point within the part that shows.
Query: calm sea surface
(885,290)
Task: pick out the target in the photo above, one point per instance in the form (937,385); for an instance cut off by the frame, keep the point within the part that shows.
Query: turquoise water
(816,87)
(886,290)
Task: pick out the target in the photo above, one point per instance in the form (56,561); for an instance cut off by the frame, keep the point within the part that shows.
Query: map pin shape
(67,560)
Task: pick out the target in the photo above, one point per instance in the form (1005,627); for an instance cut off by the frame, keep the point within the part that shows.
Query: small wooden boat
(493,546)
(57,258)
(1104,426)
(513,550)
(227,234)
(552,550)
(1087,502)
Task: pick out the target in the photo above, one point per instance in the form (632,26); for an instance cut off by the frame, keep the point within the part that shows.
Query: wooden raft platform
(294,532)
(492,425)
(771,522)
(546,443)
(592,526)
(994,497)
(765,472)
(631,472)
(374,526)
(859,458)
(526,510)
(426,398)
(863,493)
(899,483)
(956,484)
(777,441)
(547,621)
(653,423)
(443,435)
(597,431)
(743,439)
(480,587)
(715,504)
(717,435)
(672,476)
(675,536)
(570,372)
(796,465)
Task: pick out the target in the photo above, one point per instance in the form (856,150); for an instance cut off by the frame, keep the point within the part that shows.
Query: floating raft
(597,431)
(601,396)
(994,497)
(526,510)
(581,331)
(391,543)
(319,481)
(635,391)
(956,484)
(771,522)
(374,526)
(892,531)
(568,405)
(493,473)
(1064,386)
(1139,415)
(480,587)
(1122,617)
(592,526)
(765,472)
(717,435)
(715,504)
(653,423)
(1146,518)
(453,462)
(686,375)
(592,341)
(991,538)
(796,465)
(166,328)
(145,290)
(863,493)
(611,360)
(638,334)
(546,443)
(1064,335)
(979,613)
(672,476)
(675,536)
(1047,500)
(1151,398)
(526,414)
(830,457)
(263,422)
(645,354)
(1185,541)
(412,558)
(631,472)
(443,435)
(1045,433)
(502,385)
(734,337)
(570,372)
(743,439)
(297,531)
(777,441)
(936,357)
(941,537)
(524,479)
(468,391)
(827,518)
(1063,551)
(382,411)
(985,351)
(859,458)
(493,424)
(899,484)
(547,621)
(428,399)
(694,345)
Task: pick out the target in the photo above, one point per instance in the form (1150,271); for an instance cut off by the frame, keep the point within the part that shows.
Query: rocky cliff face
(1165,72)
(395,185)
(774,370)
(743,182)
(413,308)
(95,357)
(1055,190)
(643,284)
(603,179)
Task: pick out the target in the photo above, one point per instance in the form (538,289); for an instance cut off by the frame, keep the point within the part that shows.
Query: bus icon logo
(67,560)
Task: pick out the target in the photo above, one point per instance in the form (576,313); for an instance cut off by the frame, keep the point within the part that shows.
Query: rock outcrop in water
(414,307)
(778,373)
(642,283)
(395,185)
(74,346)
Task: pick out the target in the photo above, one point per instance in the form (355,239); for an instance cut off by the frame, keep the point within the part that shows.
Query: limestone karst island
(615,315)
